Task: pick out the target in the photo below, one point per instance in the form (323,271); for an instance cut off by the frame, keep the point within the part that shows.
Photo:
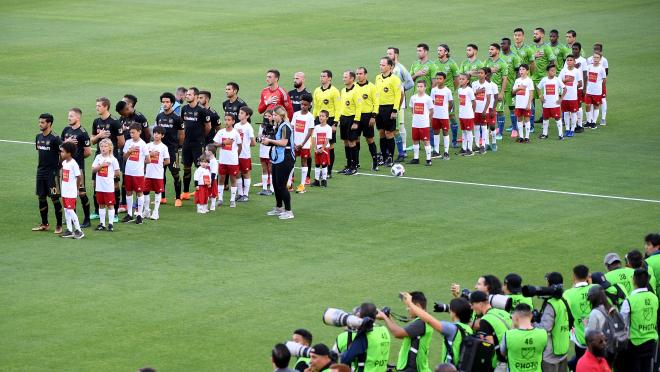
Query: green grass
(215,292)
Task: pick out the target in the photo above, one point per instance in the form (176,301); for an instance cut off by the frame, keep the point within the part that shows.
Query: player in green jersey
(500,76)
(450,68)
(513,60)
(560,50)
(472,65)
(543,57)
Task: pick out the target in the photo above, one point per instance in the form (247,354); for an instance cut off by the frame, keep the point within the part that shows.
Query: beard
(297,85)
(536,40)
(598,352)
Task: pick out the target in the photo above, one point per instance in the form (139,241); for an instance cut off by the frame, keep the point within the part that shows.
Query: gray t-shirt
(596,319)
(414,329)
(547,321)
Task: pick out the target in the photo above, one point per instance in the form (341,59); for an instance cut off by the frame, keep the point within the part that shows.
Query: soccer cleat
(300,189)
(58,230)
(324,183)
(514,134)
(400,158)
(275,212)
(543,136)
(569,133)
(146,213)
(493,147)
(127,218)
(287,215)
(414,161)
(435,155)
(521,140)
(343,171)
(374,167)
(469,153)
(100,227)
(78,234)
(122,208)
(578,129)
(454,144)
(111,228)
(498,137)
(163,201)
(350,172)
(178,203)
(41,227)
(389,162)
(154,216)
(85,224)
(220,203)
(463,151)
(526,140)
(245,199)
(232,204)
(445,156)
(263,192)
(602,122)
(593,126)
(269,192)
(428,163)
(138,220)
(316,183)
(482,150)
(307,182)
(94,216)
(509,129)
(115,220)
(488,148)
(561,138)
(531,130)
(185,196)
(67,234)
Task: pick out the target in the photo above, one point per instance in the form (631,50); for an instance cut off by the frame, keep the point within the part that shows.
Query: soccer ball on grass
(398,170)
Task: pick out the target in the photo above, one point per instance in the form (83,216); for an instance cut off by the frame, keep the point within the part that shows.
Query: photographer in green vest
(303,337)
(416,336)
(556,319)
(652,248)
(491,326)
(639,311)
(371,347)
(580,307)
(524,345)
(617,273)
(512,288)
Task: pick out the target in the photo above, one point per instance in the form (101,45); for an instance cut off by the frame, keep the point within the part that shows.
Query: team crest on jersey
(386,89)
(528,352)
(348,103)
(365,96)
(647,314)
(171,121)
(325,101)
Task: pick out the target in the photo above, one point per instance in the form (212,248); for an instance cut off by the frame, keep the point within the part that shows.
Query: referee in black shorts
(388,87)
(348,123)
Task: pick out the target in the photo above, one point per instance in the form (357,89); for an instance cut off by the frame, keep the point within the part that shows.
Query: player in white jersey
(321,143)
(551,90)
(303,126)
(264,155)
(491,119)
(421,107)
(159,158)
(580,64)
(71,180)
(596,79)
(136,155)
(202,180)
(483,96)
(229,141)
(246,131)
(571,77)
(211,150)
(443,104)
(466,107)
(598,47)
(523,89)
(106,168)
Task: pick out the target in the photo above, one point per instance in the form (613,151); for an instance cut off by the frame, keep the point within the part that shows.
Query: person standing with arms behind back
(639,311)
(197,125)
(282,155)
(48,147)
(388,100)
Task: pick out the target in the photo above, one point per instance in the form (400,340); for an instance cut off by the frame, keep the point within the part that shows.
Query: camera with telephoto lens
(497,301)
(340,318)
(267,131)
(298,350)
(439,307)
(553,291)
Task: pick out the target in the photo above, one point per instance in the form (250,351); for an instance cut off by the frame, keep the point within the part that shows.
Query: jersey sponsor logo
(207,180)
(153,159)
(481,95)
(593,77)
(65,175)
(462,97)
(521,92)
(439,100)
(550,90)
(135,156)
(320,138)
(224,146)
(418,109)
(103,172)
(300,126)
(569,80)
(41,147)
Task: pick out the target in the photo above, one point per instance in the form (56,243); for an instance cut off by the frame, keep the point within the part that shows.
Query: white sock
(573,118)
(484,135)
(464,137)
(102,216)
(567,119)
(129,205)
(212,201)
(590,114)
(221,194)
(324,173)
(264,182)
(246,186)
(157,198)
(147,201)
(303,174)
(477,135)
(493,136)
(580,116)
(436,142)
(270,182)
(111,215)
(528,127)
(233,193)
(239,185)
(72,219)
(446,143)
(415,150)
(469,140)
(427,148)
(140,206)
(67,216)
(402,132)
(290,180)
(199,208)
(317,173)
(603,109)
(560,126)
(545,127)
(595,114)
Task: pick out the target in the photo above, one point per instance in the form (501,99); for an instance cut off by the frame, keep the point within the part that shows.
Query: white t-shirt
(247,134)
(213,165)
(105,177)
(522,96)
(155,167)
(228,153)
(595,76)
(420,107)
(493,91)
(70,171)
(552,89)
(481,96)
(322,135)
(570,79)
(465,98)
(264,151)
(135,162)
(202,176)
(581,64)
(441,98)
(301,124)
(603,61)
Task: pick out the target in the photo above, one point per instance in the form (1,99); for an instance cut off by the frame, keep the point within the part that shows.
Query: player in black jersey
(105,126)
(76,134)
(233,103)
(173,139)
(204,99)
(197,124)
(47,145)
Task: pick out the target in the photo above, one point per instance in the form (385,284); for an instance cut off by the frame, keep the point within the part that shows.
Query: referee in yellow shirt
(388,99)
(349,123)
(326,97)
(368,109)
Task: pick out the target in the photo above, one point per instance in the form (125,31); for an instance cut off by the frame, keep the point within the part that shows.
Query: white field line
(611,197)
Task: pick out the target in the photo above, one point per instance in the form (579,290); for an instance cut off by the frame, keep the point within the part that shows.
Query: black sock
(96,204)
(164,184)
(356,154)
(347,152)
(123,194)
(84,200)
(373,150)
(390,147)
(43,210)
(383,146)
(117,197)
(332,160)
(309,167)
(58,210)
(187,176)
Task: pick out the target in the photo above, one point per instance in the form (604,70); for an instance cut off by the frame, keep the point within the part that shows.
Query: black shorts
(345,131)
(383,120)
(191,154)
(331,122)
(365,129)
(174,158)
(48,185)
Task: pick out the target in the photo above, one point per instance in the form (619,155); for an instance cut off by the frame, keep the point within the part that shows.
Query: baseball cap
(320,349)
(611,258)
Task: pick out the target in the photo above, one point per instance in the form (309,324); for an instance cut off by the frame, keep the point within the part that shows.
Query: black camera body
(440,307)
(553,291)
(267,131)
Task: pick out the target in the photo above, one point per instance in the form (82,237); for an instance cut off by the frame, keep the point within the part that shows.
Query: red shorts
(523,113)
(492,117)
(202,195)
(70,203)
(213,189)
(228,170)
(303,153)
(570,106)
(438,124)
(322,158)
(420,134)
(245,164)
(466,124)
(133,183)
(262,160)
(153,184)
(604,90)
(591,99)
(551,113)
(479,118)
(105,198)
(580,96)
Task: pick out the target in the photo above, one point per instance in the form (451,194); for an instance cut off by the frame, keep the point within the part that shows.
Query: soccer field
(216,292)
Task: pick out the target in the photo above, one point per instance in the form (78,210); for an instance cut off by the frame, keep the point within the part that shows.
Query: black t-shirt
(233,107)
(110,124)
(295,98)
(194,121)
(172,124)
(129,120)
(216,125)
(82,136)
(49,153)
